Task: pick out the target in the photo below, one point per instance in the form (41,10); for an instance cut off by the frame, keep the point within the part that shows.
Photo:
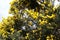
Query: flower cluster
(31,20)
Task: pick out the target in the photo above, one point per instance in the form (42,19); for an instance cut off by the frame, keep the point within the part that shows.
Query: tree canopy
(31,20)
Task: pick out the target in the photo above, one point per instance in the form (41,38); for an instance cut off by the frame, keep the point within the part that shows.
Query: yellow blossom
(52,36)
(40,32)
(42,5)
(27,34)
(53,9)
(4,34)
(5,21)
(16,10)
(52,16)
(26,37)
(19,31)
(43,22)
(1,25)
(47,38)
(35,15)
(41,15)
(29,22)
(13,1)
(44,16)
(46,11)
(2,31)
(39,28)
(34,31)
(12,29)
(44,2)
(49,4)
(39,38)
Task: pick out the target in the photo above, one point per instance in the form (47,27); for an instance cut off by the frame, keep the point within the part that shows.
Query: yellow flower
(44,16)
(26,37)
(42,5)
(27,34)
(19,31)
(5,21)
(30,23)
(42,22)
(4,35)
(34,31)
(40,32)
(52,36)
(30,11)
(16,10)
(39,20)
(39,28)
(35,15)
(52,16)
(46,11)
(2,31)
(41,15)
(44,2)
(39,38)
(1,25)
(13,1)
(49,4)
(12,29)
(53,8)
(47,38)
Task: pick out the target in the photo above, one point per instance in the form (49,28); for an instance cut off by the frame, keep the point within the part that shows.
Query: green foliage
(31,20)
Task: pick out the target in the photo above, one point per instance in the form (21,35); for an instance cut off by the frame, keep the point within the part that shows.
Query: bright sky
(4,7)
